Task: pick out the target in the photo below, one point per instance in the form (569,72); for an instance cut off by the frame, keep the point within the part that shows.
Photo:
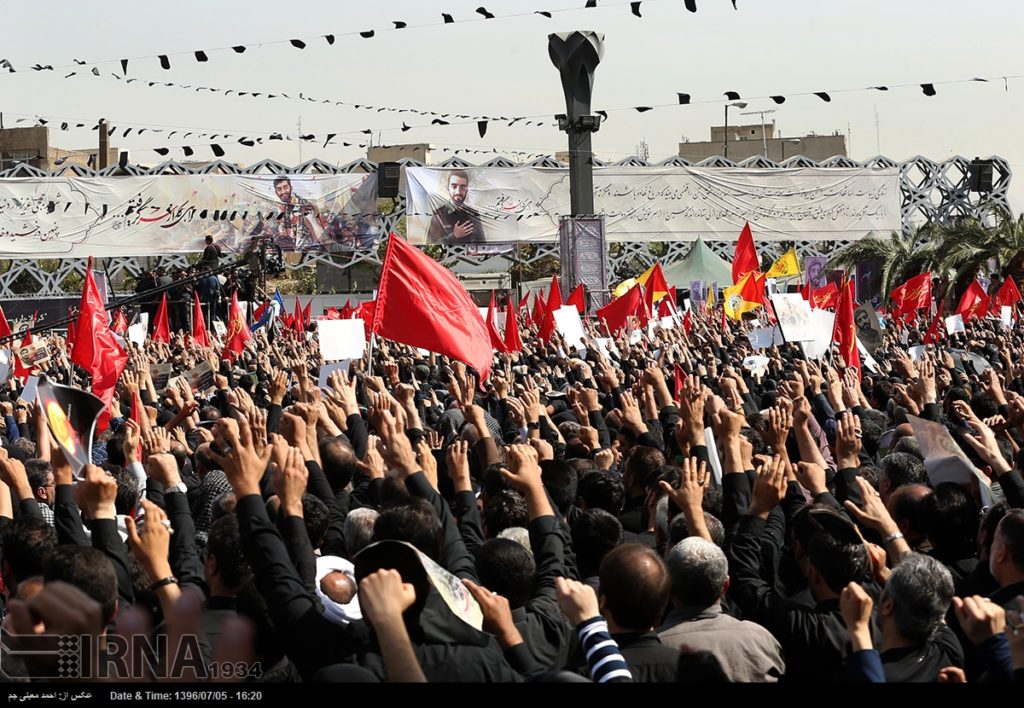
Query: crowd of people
(656,513)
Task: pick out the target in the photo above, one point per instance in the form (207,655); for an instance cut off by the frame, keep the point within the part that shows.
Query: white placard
(341,339)
(5,364)
(635,336)
(765,337)
(954,324)
(607,347)
(28,394)
(1006,316)
(794,315)
(137,334)
(756,364)
(869,361)
(219,328)
(716,463)
(567,320)
(823,323)
(916,352)
(499,316)
(944,460)
(326,369)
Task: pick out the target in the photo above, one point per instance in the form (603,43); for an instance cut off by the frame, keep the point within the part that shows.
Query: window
(10,159)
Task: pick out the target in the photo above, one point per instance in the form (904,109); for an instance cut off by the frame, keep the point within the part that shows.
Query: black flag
(481,126)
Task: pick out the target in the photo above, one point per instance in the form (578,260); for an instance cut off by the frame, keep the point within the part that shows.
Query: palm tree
(969,246)
(900,256)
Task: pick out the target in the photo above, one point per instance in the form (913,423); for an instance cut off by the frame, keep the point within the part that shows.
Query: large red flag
(332,313)
(420,303)
(688,322)
(913,295)
(554,295)
(161,328)
(492,327)
(513,343)
(306,314)
(825,298)
(616,314)
(71,331)
(845,332)
(677,383)
(974,302)
(578,298)
(1008,295)
(347,311)
(744,259)
(199,334)
(298,319)
(238,332)
(525,300)
(540,311)
(96,350)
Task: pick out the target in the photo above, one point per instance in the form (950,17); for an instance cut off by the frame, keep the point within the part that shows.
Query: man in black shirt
(453,223)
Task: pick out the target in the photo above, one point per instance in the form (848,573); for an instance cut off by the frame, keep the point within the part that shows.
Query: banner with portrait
(498,205)
(150,215)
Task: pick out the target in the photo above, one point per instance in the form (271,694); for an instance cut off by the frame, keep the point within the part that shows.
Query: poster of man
(455,222)
(815,271)
(869,331)
(794,315)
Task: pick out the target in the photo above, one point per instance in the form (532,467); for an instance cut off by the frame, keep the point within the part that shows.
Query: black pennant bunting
(367,34)
(298,44)
(823,96)
(398,24)
(247,142)
(63,126)
(218,151)
(201,56)
(779,99)
(330,137)
(603,114)
(929,89)
(481,127)
(276,136)
(438,121)
(880,88)
(483,11)
(124,67)
(634,7)
(161,151)
(684,98)
(543,12)
(95,71)
(80,62)
(239,49)
(643,109)
(367,131)
(732,95)
(188,151)
(591,3)
(448,19)
(691,5)
(405,127)
(329,38)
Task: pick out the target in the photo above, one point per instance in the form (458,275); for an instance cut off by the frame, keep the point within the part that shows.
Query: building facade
(746,141)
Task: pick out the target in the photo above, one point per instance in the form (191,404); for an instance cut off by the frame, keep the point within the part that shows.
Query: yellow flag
(786,265)
(741,297)
(646,275)
(623,287)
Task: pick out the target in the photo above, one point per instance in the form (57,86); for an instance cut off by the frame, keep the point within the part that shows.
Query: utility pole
(101,158)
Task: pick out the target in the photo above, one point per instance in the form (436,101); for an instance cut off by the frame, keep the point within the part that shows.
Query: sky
(501,67)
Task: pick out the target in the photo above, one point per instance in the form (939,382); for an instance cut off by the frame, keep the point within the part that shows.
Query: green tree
(901,256)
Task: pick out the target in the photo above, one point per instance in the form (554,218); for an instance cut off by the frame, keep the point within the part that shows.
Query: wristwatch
(179,487)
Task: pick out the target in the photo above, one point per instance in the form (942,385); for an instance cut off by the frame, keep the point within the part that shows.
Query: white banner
(145,216)
(491,205)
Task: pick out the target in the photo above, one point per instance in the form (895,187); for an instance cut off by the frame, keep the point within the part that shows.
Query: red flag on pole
(492,327)
(825,298)
(298,319)
(199,334)
(555,295)
(161,327)
(616,314)
(524,301)
(512,341)
(238,332)
(347,311)
(845,332)
(913,295)
(119,325)
(687,322)
(933,334)
(306,315)
(974,302)
(677,385)
(540,311)
(420,303)
(22,372)
(744,259)
(578,298)
(96,350)
(1008,295)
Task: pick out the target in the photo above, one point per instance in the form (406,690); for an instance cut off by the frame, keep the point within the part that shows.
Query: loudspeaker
(980,175)
(389,174)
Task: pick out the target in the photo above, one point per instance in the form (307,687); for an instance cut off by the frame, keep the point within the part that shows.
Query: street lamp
(734,104)
(791,141)
(764,138)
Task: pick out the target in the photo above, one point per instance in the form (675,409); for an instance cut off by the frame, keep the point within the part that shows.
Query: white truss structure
(931,192)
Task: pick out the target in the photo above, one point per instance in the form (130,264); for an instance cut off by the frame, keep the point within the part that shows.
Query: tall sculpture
(581,234)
